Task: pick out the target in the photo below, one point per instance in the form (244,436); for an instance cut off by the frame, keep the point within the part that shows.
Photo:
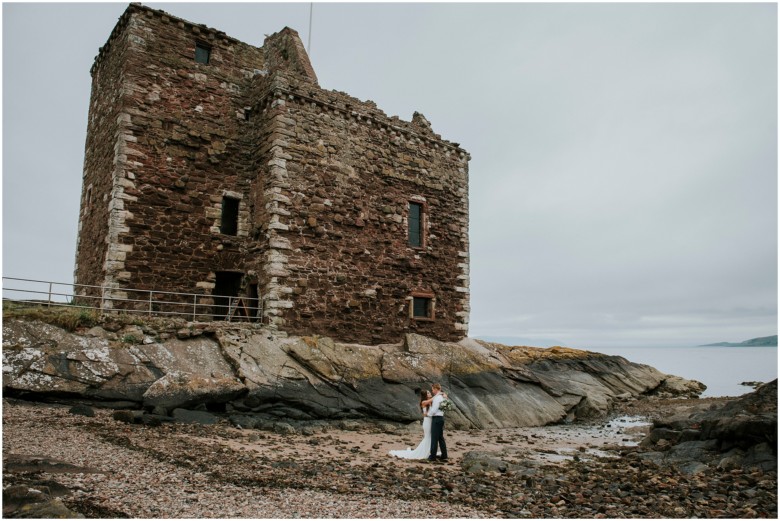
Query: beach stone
(693,467)
(477,461)
(243,421)
(124,416)
(199,417)
(732,460)
(309,430)
(155,420)
(82,410)
(658,435)
(284,428)
(263,424)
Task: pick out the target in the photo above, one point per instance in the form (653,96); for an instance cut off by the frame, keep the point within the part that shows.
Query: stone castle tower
(220,169)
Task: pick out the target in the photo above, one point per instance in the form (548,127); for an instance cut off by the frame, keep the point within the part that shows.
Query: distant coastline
(753,342)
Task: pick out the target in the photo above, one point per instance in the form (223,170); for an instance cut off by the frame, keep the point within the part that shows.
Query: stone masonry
(236,175)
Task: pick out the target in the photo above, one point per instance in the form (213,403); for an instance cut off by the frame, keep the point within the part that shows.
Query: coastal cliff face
(259,374)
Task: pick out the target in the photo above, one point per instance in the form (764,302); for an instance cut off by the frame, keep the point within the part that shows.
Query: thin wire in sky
(311,10)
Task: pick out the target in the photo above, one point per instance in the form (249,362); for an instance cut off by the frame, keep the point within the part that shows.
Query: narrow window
(202,53)
(247,114)
(229,224)
(415,225)
(422,307)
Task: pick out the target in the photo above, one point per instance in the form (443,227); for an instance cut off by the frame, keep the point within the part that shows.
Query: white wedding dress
(423,450)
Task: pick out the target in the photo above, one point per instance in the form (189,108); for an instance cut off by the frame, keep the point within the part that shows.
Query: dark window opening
(247,114)
(415,224)
(229,223)
(226,289)
(202,53)
(422,307)
(254,303)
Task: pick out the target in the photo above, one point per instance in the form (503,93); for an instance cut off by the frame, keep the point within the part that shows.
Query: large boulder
(676,386)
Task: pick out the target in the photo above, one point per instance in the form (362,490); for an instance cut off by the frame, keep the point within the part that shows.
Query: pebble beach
(107,469)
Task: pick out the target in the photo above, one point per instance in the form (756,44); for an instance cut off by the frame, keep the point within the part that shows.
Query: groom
(437,425)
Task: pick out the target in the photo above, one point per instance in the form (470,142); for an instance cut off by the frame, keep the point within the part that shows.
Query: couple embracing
(432,446)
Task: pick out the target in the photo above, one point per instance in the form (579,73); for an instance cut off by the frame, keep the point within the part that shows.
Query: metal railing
(193,306)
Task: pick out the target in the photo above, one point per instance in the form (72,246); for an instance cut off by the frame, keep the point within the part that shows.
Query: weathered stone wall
(273,189)
(102,197)
(351,173)
(187,121)
(324,182)
(180,149)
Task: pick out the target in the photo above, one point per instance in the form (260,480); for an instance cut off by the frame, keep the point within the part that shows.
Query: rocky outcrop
(257,372)
(740,434)
(674,386)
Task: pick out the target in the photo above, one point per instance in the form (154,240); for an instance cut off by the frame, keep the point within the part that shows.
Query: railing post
(150,303)
(50,284)
(194,307)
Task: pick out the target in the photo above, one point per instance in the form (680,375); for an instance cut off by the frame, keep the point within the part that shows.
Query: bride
(423,450)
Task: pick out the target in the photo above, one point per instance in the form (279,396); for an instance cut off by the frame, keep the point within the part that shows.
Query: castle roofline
(202,30)
(285,50)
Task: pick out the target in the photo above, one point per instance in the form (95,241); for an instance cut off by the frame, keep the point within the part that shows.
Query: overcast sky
(623,181)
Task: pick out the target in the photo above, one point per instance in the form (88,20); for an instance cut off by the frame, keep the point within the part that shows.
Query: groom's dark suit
(437,428)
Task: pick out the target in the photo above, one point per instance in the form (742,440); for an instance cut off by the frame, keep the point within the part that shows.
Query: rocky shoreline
(260,376)
(58,462)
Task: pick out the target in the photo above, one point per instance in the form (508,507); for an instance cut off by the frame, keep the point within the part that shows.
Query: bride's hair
(423,397)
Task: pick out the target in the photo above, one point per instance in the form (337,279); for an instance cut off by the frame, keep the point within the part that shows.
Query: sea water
(721,369)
